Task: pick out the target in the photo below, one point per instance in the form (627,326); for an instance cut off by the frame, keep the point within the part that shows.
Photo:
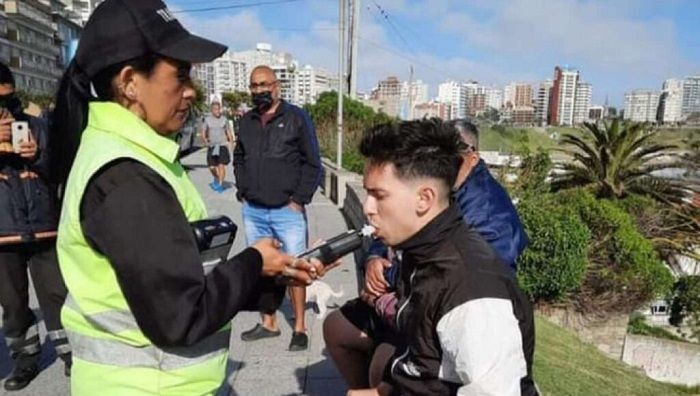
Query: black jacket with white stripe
(468,329)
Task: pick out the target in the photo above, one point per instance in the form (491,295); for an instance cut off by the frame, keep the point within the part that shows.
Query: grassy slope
(511,141)
(566,366)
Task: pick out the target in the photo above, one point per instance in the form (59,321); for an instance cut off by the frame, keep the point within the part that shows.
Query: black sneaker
(66,369)
(21,377)
(299,342)
(259,332)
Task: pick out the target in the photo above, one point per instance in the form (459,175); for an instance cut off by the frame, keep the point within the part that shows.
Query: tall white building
(509,95)
(231,72)
(417,93)
(494,98)
(641,105)
(311,82)
(517,94)
(691,95)
(542,102)
(263,55)
(567,96)
(225,74)
(81,8)
(671,106)
(455,94)
(582,102)
(472,88)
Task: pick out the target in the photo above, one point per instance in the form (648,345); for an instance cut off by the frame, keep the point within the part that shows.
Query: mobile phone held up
(20,133)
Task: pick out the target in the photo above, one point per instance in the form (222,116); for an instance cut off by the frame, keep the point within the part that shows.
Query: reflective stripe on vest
(115,321)
(116,353)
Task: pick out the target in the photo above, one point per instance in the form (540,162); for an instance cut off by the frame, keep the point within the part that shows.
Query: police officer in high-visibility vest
(141,314)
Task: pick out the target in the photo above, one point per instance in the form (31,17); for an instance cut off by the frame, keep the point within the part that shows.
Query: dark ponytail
(70,117)
(69,120)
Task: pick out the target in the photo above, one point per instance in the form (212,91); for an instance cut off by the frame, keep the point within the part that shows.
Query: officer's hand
(321,269)
(375,283)
(275,262)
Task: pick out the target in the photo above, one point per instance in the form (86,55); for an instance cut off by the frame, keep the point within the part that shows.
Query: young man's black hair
(420,148)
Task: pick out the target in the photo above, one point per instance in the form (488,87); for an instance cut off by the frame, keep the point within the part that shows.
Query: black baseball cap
(119,30)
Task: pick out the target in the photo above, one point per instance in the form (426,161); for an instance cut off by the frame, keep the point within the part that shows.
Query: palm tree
(618,159)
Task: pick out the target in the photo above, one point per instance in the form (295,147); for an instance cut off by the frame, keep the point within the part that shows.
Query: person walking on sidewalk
(143,315)
(217,134)
(278,168)
(28,221)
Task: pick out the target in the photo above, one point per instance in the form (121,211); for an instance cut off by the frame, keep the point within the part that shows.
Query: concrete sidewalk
(259,368)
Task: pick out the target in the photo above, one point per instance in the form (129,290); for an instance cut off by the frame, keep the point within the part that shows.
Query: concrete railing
(334,181)
(664,360)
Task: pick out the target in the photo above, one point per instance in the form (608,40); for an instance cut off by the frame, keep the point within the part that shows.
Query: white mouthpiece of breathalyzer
(367,230)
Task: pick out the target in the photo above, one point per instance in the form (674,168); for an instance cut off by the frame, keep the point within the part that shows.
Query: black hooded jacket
(279,162)
(466,325)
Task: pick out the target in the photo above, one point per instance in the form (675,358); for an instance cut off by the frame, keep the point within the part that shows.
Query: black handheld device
(214,238)
(335,248)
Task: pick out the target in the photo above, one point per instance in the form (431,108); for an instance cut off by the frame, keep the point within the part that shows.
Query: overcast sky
(617,45)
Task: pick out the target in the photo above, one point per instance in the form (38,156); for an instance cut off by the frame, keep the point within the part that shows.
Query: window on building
(12,34)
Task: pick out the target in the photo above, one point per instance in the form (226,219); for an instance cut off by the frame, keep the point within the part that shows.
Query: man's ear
(473,159)
(426,198)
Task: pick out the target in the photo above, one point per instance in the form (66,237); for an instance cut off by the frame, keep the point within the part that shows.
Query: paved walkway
(259,368)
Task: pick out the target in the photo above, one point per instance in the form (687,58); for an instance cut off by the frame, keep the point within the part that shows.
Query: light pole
(341,80)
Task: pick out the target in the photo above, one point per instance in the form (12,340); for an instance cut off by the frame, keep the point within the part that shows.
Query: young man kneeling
(464,327)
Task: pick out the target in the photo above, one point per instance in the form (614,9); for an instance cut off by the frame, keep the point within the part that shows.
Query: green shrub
(553,265)
(685,304)
(533,173)
(353,161)
(588,249)
(624,269)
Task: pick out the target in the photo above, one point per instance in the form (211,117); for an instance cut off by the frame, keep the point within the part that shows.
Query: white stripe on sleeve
(482,348)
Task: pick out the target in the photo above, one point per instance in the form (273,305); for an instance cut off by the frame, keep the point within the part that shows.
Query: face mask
(262,101)
(11,103)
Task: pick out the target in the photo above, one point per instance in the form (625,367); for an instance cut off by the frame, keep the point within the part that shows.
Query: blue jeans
(284,224)
(287,226)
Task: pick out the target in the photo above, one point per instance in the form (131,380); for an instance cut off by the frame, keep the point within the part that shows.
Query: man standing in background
(278,168)
(217,134)
(28,223)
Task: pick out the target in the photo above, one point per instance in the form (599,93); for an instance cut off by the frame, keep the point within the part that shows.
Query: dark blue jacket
(28,205)
(279,162)
(486,207)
